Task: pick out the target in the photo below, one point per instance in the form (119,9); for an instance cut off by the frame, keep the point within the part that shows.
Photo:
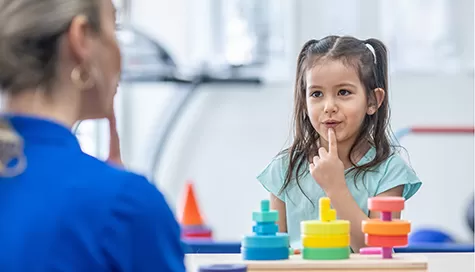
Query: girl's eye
(344,92)
(317,94)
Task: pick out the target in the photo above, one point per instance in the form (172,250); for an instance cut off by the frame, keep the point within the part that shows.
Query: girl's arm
(347,209)
(279,206)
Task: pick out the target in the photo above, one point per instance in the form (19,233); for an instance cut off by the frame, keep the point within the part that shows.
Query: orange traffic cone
(190,215)
(191,220)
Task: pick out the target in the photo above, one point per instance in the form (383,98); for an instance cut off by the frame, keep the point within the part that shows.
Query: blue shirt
(389,174)
(69,211)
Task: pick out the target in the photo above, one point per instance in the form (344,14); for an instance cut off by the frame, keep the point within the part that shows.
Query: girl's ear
(379,94)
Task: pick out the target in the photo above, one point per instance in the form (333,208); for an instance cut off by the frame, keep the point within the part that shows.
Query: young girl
(341,146)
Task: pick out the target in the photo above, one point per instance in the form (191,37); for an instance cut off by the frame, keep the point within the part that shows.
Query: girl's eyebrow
(343,84)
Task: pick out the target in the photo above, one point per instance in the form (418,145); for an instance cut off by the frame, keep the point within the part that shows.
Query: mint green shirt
(389,174)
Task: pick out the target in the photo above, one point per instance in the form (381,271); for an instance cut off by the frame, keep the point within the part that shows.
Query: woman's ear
(379,94)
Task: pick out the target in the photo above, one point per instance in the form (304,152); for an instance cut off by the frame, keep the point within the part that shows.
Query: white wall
(230,133)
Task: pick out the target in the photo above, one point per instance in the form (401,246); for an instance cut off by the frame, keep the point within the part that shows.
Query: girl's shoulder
(279,163)
(272,176)
(392,172)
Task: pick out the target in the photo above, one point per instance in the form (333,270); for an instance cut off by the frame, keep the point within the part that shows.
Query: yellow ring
(326,241)
(317,227)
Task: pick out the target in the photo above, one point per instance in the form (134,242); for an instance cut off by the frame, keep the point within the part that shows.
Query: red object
(198,234)
(386,241)
(386,204)
(448,130)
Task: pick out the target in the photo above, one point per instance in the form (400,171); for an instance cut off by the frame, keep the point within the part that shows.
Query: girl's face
(336,99)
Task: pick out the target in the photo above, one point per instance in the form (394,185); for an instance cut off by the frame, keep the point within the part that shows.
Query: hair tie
(371,48)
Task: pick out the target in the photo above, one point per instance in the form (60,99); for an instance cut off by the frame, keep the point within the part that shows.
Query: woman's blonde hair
(30,32)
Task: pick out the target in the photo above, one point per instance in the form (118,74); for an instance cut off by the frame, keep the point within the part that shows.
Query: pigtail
(299,114)
(380,132)
(302,57)
(12,159)
(381,66)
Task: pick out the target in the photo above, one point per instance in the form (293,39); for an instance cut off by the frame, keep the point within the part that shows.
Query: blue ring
(266,241)
(265,228)
(260,254)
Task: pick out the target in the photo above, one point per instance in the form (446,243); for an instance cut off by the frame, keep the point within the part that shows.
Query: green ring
(337,253)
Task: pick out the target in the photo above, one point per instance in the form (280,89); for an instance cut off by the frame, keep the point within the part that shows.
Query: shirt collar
(43,131)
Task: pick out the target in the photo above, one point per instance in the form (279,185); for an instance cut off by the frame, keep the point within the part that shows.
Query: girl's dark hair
(373,73)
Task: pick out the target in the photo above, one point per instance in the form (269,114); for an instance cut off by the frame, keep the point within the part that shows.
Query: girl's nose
(330,106)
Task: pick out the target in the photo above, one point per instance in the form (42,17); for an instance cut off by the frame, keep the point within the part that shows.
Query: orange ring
(387,228)
(385,241)
(386,204)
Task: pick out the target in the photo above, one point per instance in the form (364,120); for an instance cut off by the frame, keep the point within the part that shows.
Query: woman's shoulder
(125,196)
(101,169)
(136,210)
(114,179)
(107,189)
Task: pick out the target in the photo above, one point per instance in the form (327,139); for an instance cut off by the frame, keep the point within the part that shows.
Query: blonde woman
(60,209)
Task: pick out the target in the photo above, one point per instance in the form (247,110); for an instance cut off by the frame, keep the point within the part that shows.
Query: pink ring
(370,251)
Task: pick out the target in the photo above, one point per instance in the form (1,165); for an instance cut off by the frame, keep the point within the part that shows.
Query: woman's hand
(114,145)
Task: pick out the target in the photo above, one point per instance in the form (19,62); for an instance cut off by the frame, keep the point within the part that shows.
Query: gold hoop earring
(79,81)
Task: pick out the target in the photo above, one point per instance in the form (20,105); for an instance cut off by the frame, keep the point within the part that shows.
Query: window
(121,10)
(426,35)
(336,20)
(248,32)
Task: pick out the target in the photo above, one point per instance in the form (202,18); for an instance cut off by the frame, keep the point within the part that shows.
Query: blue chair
(432,240)
(435,247)
(430,236)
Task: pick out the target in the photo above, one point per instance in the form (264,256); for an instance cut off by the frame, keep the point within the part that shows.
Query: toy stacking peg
(327,238)
(385,232)
(327,214)
(266,243)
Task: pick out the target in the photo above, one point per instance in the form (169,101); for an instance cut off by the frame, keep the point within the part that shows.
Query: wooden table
(433,262)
